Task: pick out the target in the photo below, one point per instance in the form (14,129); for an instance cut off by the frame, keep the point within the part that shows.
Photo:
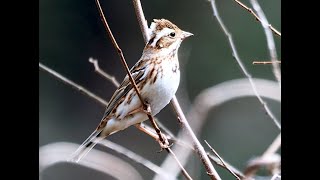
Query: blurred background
(71,31)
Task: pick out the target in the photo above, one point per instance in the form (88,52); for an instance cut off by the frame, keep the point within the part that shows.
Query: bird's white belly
(157,94)
(161,92)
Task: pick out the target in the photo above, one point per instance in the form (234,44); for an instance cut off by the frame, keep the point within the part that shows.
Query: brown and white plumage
(157,77)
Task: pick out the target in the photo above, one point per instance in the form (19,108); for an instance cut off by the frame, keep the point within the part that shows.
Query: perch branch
(244,70)
(155,126)
(197,145)
(124,63)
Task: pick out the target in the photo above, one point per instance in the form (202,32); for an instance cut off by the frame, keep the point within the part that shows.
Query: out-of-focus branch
(244,70)
(211,98)
(58,152)
(268,158)
(257,17)
(270,41)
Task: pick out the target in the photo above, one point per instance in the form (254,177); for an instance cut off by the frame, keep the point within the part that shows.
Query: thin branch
(197,145)
(264,62)
(141,19)
(245,72)
(102,73)
(257,17)
(184,172)
(73,84)
(219,163)
(270,41)
(115,44)
(224,164)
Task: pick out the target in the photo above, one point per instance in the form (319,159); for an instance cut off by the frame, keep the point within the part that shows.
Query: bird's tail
(86,146)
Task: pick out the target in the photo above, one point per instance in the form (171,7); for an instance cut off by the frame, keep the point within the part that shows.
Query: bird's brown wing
(136,72)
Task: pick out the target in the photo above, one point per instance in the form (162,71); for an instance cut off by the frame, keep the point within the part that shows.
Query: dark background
(71,31)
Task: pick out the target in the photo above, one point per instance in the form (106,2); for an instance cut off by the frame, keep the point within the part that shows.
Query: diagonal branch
(257,17)
(124,63)
(244,70)
(72,84)
(222,161)
(155,126)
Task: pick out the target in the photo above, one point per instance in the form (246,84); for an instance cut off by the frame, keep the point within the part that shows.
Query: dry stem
(72,84)
(124,63)
(257,17)
(222,161)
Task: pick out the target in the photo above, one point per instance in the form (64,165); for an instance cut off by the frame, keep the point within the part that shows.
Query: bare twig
(184,172)
(119,51)
(142,20)
(219,163)
(270,41)
(72,84)
(257,17)
(102,73)
(199,149)
(245,72)
(197,145)
(224,164)
(264,62)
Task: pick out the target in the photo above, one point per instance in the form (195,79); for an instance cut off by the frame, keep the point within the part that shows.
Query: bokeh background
(71,31)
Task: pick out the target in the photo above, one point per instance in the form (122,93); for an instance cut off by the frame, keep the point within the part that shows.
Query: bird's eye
(172,34)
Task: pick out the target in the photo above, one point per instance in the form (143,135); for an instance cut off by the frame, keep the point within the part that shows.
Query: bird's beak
(185,34)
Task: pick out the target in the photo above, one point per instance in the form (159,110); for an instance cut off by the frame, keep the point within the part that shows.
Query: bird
(157,76)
